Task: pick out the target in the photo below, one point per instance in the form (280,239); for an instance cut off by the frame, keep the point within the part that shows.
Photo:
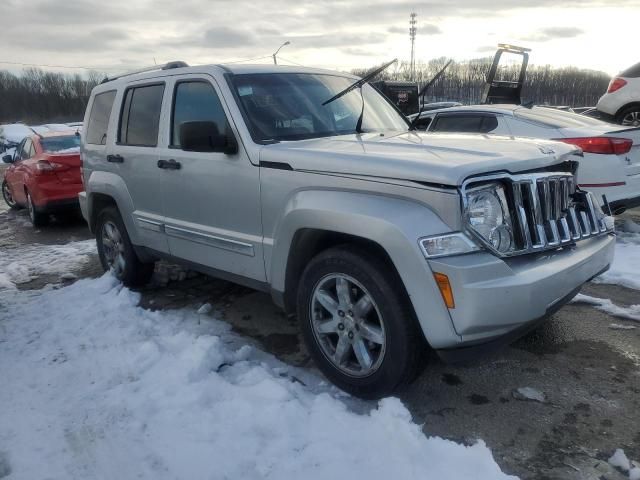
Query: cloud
(553,33)
(486,49)
(423,29)
(227,37)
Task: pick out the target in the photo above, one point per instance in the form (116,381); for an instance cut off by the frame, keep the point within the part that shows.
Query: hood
(446,159)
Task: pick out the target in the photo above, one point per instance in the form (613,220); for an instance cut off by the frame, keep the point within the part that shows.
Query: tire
(116,252)
(8,197)
(38,219)
(389,331)
(630,116)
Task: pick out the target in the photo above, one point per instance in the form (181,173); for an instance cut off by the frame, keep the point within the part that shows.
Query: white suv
(621,103)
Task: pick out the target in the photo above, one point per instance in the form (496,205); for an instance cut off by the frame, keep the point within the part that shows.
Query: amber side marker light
(445,289)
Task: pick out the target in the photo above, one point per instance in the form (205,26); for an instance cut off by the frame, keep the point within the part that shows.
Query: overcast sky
(116,34)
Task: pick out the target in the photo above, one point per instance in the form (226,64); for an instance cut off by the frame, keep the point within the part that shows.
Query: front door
(211,198)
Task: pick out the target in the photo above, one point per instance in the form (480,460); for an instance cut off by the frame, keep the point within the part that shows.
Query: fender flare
(112,185)
(394,223)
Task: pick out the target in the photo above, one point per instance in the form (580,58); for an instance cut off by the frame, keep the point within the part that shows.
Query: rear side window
(196,101)
(141,116)
(632,72)
(465,123)
(99,118)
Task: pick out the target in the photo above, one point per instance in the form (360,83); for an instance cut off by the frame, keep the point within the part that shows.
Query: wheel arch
(316,220)
(625,107)
(103,189)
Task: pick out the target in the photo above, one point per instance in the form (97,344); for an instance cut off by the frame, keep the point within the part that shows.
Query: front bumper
(494,296)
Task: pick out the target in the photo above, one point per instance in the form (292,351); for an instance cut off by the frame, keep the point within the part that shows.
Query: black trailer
(505,91)
(403,95)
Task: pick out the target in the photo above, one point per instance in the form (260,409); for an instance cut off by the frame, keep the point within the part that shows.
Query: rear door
(212,201)
(18,176)
(134,158)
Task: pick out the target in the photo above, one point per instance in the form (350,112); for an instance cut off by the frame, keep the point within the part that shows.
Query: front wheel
(358,324)
(8,196)
(116,251)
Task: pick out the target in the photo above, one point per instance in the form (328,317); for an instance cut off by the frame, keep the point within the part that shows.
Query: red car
(44,175)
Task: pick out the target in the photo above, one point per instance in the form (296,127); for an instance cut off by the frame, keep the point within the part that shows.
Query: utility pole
(412,35)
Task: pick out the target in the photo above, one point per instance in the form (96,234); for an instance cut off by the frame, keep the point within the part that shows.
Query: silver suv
(384,241)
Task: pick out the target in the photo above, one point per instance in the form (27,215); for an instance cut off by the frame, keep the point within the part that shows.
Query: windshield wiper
(360,82)
(424,91)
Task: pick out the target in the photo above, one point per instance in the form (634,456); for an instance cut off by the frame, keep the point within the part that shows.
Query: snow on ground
(94,386)
(630,313)
(625,269)
(21,265)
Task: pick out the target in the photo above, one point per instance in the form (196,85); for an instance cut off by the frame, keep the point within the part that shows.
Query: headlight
(455,243)
(487,215)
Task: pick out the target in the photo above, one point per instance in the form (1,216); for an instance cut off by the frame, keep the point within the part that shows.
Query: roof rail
(166,66)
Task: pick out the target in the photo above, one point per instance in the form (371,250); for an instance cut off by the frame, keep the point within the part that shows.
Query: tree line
(38,96)
(465,81)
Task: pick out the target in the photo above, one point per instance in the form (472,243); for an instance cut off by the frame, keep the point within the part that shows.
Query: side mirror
(7,158)
(205,137)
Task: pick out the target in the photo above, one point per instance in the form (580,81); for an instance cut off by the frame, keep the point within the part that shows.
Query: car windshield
(60,144)
(288,106)
(556,118)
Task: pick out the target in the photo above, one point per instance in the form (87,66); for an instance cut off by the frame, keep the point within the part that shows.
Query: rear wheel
(358,324)
(38,219)
(116,251)
(630,116)
(8,196)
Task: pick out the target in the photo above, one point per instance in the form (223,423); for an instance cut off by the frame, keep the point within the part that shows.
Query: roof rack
(166,66)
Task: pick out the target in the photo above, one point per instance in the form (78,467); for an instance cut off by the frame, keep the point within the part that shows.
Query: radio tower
(412,35)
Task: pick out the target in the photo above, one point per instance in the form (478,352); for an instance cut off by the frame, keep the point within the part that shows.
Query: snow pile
(625,269)
(620,461)
(630,313)
(21,265)
(94,386)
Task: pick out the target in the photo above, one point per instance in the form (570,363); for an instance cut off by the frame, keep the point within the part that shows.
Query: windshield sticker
(245,90)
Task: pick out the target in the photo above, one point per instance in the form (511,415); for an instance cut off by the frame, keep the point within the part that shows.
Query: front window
(288,106)
(60,144)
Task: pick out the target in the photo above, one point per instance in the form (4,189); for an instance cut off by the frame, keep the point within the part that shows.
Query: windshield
(556,118)
(288,106)
(61,144)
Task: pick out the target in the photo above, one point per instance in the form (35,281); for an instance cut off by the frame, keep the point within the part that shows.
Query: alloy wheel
(632,119)
(6,193)
(113,248)
(347,325)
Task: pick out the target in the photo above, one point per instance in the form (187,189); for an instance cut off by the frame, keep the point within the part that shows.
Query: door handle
(115,158)
(169,164)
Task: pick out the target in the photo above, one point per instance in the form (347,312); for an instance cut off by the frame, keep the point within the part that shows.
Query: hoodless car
(621,102)
(44,175)
(610,166)
(384,241)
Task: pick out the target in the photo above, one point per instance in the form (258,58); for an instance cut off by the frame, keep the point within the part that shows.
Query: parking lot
(581,360)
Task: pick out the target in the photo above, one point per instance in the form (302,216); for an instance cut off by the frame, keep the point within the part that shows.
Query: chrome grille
(546,211)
